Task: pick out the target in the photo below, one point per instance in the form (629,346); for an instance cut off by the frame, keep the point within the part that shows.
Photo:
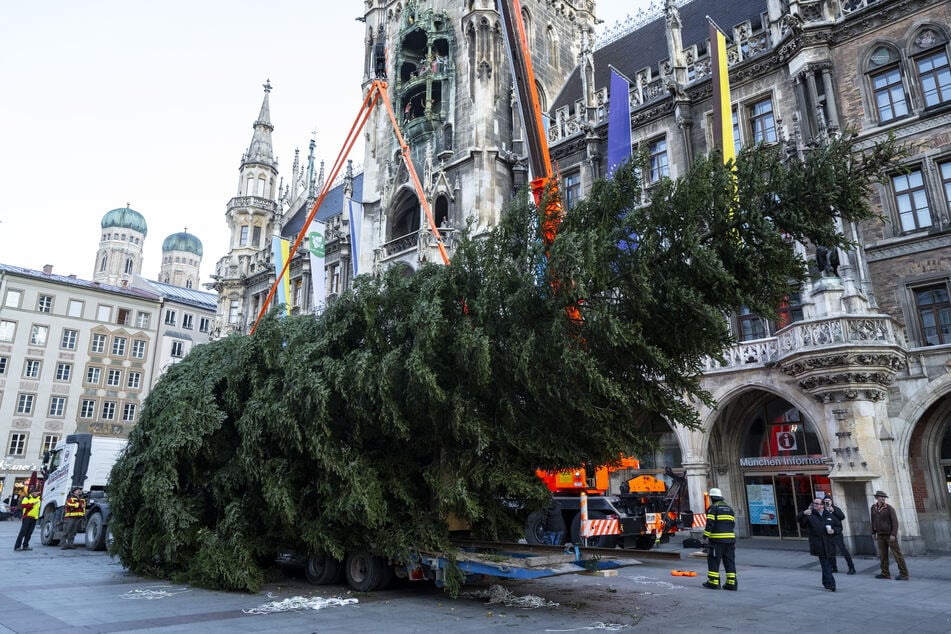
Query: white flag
(315,241)
(356,224)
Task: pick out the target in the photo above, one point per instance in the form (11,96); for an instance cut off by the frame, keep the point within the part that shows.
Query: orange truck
(644,513)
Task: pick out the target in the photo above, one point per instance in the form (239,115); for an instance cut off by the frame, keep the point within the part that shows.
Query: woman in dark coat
(821,526)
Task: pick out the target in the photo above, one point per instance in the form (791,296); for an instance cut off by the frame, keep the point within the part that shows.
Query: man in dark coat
(840,547)
(821,526)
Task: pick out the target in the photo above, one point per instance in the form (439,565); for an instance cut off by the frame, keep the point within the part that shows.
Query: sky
(113,102)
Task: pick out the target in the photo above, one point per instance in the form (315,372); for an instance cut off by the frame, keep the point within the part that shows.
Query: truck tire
(323,569)
(95,532)
(598,541)
(48,528)
(364,571)
(535,527)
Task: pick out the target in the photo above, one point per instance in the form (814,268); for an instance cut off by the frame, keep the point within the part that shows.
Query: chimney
(47,269)
(125,283)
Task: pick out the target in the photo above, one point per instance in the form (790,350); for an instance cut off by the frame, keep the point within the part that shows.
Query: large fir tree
(415,398)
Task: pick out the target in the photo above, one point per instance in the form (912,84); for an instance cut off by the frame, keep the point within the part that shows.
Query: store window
(783,467)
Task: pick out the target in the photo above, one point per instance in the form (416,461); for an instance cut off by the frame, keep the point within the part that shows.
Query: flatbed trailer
(365,571)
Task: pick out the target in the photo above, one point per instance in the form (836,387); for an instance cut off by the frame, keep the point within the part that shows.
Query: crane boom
(529,105)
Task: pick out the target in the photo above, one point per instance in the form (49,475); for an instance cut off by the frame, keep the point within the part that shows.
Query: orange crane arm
(530,107)
(544,185)
(376,94)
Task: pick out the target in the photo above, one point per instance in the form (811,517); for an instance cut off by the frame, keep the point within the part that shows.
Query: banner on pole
(316,238)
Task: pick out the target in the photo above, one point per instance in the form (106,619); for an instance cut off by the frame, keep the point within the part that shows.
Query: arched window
(551,47)
(527,24)
(188,283)
(102,263)
(889,98)
(441,212)
(405,219)
(929,50)
(128,265)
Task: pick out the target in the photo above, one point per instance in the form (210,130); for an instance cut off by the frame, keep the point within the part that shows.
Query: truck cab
(85,461)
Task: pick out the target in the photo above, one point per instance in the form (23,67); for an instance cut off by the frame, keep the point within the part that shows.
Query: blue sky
(109,102)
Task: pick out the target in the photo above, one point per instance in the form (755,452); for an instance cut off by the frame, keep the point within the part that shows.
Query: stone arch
(744,452)
(404,216)
(919,444)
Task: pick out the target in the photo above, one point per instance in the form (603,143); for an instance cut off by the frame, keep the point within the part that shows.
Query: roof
(189,296)
(125,218)
(646,46)
(183,241)
(72,280)
(332,206)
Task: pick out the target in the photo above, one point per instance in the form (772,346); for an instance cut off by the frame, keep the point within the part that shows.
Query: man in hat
(75,510)
(885,532)
(720,534)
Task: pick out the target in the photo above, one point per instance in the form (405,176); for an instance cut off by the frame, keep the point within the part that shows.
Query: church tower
(448,77)
(253,216)
(181,260)
(119,256)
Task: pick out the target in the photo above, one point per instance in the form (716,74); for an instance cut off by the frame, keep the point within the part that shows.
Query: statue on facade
(828,261)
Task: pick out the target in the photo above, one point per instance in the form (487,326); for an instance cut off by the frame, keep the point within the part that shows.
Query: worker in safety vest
(75,510)
(31,513)
(720,534)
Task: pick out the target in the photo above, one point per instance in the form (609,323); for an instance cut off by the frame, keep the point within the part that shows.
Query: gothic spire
(260,150)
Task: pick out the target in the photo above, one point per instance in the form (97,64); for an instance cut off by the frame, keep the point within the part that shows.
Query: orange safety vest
(75,507)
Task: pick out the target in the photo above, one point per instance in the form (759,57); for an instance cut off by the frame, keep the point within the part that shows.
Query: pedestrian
(30,506)
(720,534)
(821,526)
(839,539)
(885,532)
(75,510)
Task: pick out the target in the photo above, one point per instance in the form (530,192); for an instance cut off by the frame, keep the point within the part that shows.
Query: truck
(80,460)
(644,512)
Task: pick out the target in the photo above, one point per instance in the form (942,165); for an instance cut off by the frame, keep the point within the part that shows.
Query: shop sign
(782,461)
(6,465)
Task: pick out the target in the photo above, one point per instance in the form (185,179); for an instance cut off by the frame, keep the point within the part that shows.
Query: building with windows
(849,392)
(81,355)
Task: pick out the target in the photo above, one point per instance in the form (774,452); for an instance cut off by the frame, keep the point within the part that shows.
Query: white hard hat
(716,493)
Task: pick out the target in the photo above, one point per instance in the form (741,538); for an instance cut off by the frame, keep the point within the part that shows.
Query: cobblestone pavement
(48,589)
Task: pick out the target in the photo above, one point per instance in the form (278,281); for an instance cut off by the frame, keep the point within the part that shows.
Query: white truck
(80,460)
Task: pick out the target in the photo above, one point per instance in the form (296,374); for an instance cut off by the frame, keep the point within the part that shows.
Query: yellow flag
(722,112)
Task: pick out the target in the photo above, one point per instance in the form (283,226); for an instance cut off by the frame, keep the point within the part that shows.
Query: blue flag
(619,122)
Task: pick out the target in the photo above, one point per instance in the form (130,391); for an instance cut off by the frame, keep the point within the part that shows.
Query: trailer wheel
(48,528)
(95,535)
(365,571)
(535,527)
(323,569)
(599,541)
